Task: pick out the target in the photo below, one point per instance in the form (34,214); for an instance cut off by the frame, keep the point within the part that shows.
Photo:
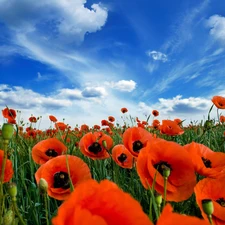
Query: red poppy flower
(95,145)
(47,149)
(171,128)
(212,189)
(124,110)
(60,126)
(222,119)
(100,204)
(159,154)
(11,120)
(136,138)
(56,174)
(97,127)
(168,217)
(219,102)
(111,119)
(8,173)
(206,162)
(155,124)
(53,118)
(155,113)
(178,121)
(9,113)
(122,156)
(84,128)
(104,123)
(33,119)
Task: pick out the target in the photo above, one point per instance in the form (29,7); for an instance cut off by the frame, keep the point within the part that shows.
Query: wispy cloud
(216,23)
(157,56)
(122,85)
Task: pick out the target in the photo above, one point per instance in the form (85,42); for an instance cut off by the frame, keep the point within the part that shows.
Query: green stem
(165,189)
(18,213)
(68,169)
(46,208)
(210,219)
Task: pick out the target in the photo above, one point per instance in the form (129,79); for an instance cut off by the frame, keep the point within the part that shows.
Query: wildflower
(155,124)
(122,156)
(212,189)
(104,123)
(111,119)
(171,128)
(159,154)
(219,102)
(47,149)
(8,173)
(53,118)
(135,139)
(206,162)
(33,119)
(222,119)
(100,204)
(56,174)
(124,110)
(9,113)
(84,128)
(60,126)
(155,112)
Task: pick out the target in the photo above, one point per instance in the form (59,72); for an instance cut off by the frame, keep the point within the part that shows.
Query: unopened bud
(12,190)
(43,185)
(166,171)
(7,131)
(158,198)
(207,206)
(8,217)
(104,143)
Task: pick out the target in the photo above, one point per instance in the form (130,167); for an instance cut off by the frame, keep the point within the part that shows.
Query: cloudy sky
(84,60)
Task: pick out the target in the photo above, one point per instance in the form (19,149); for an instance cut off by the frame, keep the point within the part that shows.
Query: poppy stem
(210,219)
(165,190)
(18,213)
(46,202)
(68,169)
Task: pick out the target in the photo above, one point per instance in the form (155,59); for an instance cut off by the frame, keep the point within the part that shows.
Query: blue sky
(84,60)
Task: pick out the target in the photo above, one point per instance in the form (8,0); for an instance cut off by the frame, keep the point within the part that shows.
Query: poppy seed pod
(207,206)
(7,131)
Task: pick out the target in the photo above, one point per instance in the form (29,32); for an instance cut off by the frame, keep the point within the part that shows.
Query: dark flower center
(61,180)
(95,148)
(207,162)
(122,157)
(161,166)
(220,104)
(221,201)
(137,146)
(51,153)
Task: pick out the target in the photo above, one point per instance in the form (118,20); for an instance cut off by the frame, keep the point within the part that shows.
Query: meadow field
(135,173)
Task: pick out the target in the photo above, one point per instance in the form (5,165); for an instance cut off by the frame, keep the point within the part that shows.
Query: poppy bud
(8,217)
(7,131)
(158,199)
(207,206)
(12,190)
(104,143)
(43,185)
(166,171)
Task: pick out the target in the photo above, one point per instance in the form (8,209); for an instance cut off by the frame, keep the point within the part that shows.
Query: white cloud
(93,92)
(216,23)
(157,56)
(70,93)
(122,85)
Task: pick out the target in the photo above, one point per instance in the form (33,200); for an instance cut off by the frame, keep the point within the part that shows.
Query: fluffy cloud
(122,85)
(65,19)
(157,56)
(94,92)
(216,23)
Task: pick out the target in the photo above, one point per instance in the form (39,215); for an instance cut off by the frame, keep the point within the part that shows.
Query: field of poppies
(154,172)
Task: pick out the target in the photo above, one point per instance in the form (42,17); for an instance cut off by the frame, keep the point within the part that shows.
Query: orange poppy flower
(61,126)
(104,123)
(56,174)
(111,119)
(53,118)
(11,120)
(136,138)
(160,153)
(219,102)
(9,113)
(206,162)
(8,173)
(97,127)
(92,145)
(31,133)
(168,217)
(122,156)
(222,119)
(84,128)
(178,121)
(33,119)
(47,149)
(100,204)
(155,112)
(212,189)
(155,124)
(171,128)
(124,110)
